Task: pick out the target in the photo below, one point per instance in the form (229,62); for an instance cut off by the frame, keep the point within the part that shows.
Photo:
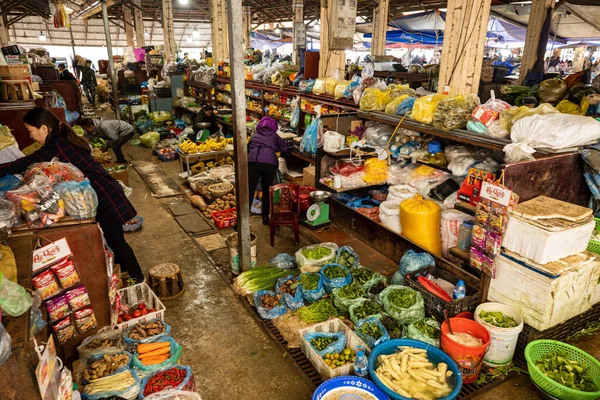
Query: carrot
(155,360)
(159,352)
(146,347)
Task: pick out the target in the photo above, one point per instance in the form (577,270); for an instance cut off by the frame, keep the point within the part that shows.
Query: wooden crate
(19,71)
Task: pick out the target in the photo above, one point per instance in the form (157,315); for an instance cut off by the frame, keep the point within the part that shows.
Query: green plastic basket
(594,245)
(539,348)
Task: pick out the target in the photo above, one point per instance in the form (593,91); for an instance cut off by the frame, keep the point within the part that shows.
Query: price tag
(495,193)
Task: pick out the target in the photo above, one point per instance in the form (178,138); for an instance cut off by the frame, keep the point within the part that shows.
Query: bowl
(434,354)
(348,382)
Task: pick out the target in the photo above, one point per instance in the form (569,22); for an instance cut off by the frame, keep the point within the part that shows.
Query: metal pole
(73,48)
(238,104)
(110,60)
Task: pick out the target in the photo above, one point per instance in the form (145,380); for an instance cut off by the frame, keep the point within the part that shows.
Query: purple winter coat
(265,143)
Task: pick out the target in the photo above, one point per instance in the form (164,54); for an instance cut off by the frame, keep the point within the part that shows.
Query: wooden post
(464,45)
(247,26)
(238,104)
(380,22)
(219,30)
(537,18)
(168,31)
(111,68)
(298,8)
(331,62)
(4,33)
(138,21)
(579,58)
(128,27)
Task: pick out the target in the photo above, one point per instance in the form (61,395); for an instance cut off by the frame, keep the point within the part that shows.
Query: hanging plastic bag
(403,304)
(315,292)
(80,198)
(268,313)
(174,356)
(295,117)
(174,394)
(411,261)
(313,136)
(370,340)
(320,86)
(354,83)
(374,99)
(391,107)
(293,301)
(424,108)
(454,112)
(405,107)
(427,330)
(347,257)
(333,283)
(5,345)
(334,348)
(14,300)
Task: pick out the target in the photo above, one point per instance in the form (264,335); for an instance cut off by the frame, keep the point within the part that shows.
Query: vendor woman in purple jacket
(263,162)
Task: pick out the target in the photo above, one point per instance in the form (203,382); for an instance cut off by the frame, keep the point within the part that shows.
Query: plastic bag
(424,108)
(366,82)
(283,261)
(374,280)
(295,117)
(188,382)
(334,348)
(100,355)
(420,220)
(567,107)
(335,283)
(353,307)
(376,171)
(174,356)
(9,214)
(507,116)
(389,214)
(368,339)
(340,89)
(489,111)
(391,107)
(314,265)
(266,313)
(80,198)
(454,112)
(412,332)
(306,86)
(320,86)
(405,107)
(5,345)
(14,300)
(408,315)
(55,170)
(401,90)
(39,203)
(421,177)
(552,90)
(354,83)
(376,130)
(347,253)
(9,182)
(293,302)
(36,320)
(149,139)
(174,394)
(330,84)
(129,393)
(112,335)
(342,303)
(130,343)
(346,168)
(374,100)
(313,136)
(411,261)
(313,295)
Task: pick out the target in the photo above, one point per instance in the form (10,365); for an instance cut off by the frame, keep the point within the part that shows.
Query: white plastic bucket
(504,340)
(234,257)
(333,141)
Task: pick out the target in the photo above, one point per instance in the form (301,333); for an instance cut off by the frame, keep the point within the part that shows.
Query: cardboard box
(308,176)
(122,176)
(14,72)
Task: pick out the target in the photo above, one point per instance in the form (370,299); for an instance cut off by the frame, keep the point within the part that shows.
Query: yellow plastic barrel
(420,221)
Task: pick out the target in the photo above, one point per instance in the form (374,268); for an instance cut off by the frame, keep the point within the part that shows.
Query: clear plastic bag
(408,315)
(343,303)
(36,320)
(129,393)
(454,112)
(314,265)
(14,300)
(266,313)
(412,332)
(489,111)
(174,394)
(283,261)
(424,108)
(368,339)
(149,139)
(55,170)
(295,117)
(334,348)
(174,356)
(353,307)
(80,198)
(343,253)
(306,86)
(411,261)
(293,302)
(320,86)
(335,283)
(375,279)
(312,137)
(354,83)
(5,345)
(9,214)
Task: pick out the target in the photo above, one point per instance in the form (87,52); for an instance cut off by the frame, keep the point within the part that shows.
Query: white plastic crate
(331,326)
(135,294)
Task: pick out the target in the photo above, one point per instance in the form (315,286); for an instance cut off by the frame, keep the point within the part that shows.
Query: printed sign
(50,254)
(495,193)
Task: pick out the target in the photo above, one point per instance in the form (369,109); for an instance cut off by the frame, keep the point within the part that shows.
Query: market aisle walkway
(231,356)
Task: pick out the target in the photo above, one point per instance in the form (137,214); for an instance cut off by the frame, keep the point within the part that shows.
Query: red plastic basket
(229,220)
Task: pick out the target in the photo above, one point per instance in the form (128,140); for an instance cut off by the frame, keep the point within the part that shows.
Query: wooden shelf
(346,154)
(342,190)
(255,111)
(465,207)
(254,97)
(197,85)
(303,157)
(331,101)
(278,102)
(223,102)
(222,90)
(464,255)
(279,118)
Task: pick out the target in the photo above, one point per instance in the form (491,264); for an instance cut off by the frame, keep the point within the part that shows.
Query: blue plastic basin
(434,354)
(348,382)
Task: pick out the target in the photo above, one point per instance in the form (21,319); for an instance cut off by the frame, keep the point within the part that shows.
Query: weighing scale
(203,132)
(317,214)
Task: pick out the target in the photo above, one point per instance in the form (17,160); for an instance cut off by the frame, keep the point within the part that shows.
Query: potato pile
(144,330)
(101,343)
(224,203)
(106,366)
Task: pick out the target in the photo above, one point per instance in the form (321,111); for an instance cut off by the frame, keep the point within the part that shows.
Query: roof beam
(92,12)
(19,17)
(584,18)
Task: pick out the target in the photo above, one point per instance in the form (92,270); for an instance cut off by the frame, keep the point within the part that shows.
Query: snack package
(85,319)
(45,284)
(78,298)
(55,170)
(66,273)
(64,330)
(58,308)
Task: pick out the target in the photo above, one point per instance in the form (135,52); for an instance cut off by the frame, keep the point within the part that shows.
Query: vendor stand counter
(184,157)
(17,376)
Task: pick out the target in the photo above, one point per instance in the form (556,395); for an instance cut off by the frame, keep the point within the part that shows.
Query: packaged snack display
(58,308)
(45,284)
(77,298)
(64,330)
(66,273)
(79,197)
(85,319)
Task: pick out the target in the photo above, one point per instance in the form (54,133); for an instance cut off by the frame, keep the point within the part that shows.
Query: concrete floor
(230,354)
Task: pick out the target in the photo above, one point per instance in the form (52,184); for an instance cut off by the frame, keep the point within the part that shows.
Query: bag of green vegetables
(312,286)
(335,276)
(426,330)
(403,304)
(366,278)
(363,309)
(371,331)
(312,258)
(347,257)
(346,296)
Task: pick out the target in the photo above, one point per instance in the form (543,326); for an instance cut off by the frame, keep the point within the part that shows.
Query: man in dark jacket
(116,132)
(65,74)
(263,162)
(88,81)
(207,115)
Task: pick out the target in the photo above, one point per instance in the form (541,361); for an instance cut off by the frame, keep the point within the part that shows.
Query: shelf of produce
(289,90)
(303,157)
(346,154)
(279,118)
(278,102)
(330,100)
(198,97)
(185,158)
(198,85)
(259,112)
(222,90)
(456,135)
(343,114)
(253,97)
(223,102)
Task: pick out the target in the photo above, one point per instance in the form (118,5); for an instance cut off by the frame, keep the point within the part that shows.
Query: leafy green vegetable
(590,329)
(309,281)
(334,271)
(497,318)
(570,373)
(318,311)
(372,329)
(316,253)
(428,329)
(346,259)
(78,130)
(366,309)
(394,329)
(261,278)
(361,275)
(488,374)
(351,291)
(403,298)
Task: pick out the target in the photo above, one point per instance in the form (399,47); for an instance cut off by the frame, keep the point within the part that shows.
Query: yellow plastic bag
(8,265)
(420,221)
(424,108)
(340,89)
(375,171)
(319,86)
(392,105)
(330,85)
(399,90)
(507,116)
(567,107)
(374,100)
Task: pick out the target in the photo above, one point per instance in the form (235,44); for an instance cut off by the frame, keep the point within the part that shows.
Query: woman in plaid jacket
(114,209)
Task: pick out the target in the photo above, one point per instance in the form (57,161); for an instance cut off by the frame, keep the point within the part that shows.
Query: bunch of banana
(216,145)
(199,167)
(189,147)
(211,164)
(229,140)
(203,147)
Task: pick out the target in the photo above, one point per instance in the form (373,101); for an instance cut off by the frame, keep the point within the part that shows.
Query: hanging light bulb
(42,37)
(189,39)
(196,33)
(277,30)
(146,34)
(184,2)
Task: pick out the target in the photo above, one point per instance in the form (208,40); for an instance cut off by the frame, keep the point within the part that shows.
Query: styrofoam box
(135,294)
(544,298)
(542,246)
(331,326)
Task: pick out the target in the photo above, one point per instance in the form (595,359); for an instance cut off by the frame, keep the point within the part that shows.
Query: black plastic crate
(435,306)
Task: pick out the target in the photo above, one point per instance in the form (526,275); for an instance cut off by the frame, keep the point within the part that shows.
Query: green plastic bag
(14,300)
(357,305)
(175,355)
(374,280)
(343,303)
(149,139)
(412,332)
(403,304)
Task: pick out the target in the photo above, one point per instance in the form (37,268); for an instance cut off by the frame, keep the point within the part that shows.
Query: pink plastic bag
(140,54)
